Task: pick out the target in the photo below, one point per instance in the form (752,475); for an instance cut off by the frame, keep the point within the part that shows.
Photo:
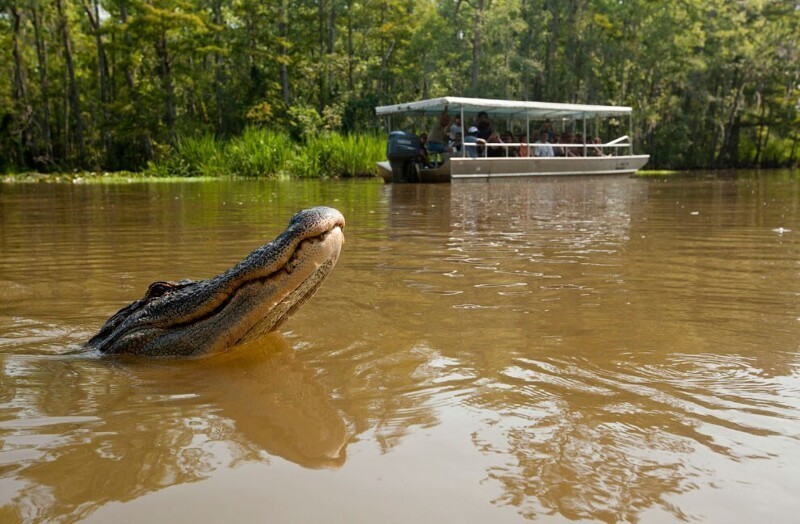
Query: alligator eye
(157,289)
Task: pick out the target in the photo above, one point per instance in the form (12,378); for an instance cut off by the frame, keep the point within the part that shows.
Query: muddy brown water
(607,349)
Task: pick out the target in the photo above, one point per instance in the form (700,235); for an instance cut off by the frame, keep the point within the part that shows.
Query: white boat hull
(466,168)
(545,166)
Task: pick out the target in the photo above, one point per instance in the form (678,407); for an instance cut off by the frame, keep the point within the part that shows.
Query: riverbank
(122,177)
(91,177)
(257,153)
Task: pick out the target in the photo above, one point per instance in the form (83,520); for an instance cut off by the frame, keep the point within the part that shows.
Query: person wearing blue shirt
(471,138)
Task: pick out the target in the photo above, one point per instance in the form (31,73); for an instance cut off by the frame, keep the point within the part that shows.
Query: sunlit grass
(263,153)
(257,153)
(192,156)
(658,172)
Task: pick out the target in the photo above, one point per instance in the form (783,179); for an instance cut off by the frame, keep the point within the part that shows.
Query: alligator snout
(254,297)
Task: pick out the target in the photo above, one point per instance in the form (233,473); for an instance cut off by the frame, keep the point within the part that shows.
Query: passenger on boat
(569,138)
(548,126)
(580,141)
(542,146)
(596,150)
(455,128)
(423,150)
(575,150)
(508,138)
(436,138)
(457,145)
(484,126)
(523,149)
(558,150)
(436,141)
(472,138)
(495,151)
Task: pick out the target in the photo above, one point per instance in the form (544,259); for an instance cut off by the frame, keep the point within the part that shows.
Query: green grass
(257,153)
(262,153)
(658,172)
(192,156)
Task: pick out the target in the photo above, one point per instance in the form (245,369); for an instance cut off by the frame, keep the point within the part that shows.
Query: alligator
(254,297)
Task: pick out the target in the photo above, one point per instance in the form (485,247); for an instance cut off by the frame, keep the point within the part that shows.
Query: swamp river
(580,348)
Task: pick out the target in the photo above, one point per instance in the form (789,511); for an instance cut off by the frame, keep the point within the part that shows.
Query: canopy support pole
(527,133)
(584,134)
(463,133)
(630,132)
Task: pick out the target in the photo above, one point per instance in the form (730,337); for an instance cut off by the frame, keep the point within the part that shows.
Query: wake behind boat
(482,153)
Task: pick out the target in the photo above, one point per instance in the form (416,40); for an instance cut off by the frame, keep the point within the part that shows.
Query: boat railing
(615,145)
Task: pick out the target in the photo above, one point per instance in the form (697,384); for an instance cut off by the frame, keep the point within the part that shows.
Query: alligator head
(252,298)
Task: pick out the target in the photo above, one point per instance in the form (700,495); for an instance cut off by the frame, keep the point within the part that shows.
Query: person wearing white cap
(471,138)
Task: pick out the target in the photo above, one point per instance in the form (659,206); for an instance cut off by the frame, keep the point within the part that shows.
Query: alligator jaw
(249,300)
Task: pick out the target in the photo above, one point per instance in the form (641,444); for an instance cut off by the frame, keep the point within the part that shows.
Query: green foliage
(263,153)
(191,156)
(332,154)
(712,82)
(306,122)
(257,153)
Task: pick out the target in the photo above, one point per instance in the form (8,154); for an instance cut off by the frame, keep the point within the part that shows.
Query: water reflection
(608,346)
(78,433)
(581,348)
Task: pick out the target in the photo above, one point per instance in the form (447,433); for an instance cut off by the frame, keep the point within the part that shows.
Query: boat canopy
(502,108)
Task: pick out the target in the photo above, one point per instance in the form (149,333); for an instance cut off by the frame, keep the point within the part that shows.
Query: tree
(112,84)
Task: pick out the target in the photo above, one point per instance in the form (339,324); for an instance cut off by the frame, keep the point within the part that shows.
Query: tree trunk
(93,13)
(759,135)
(73,95)
(330,47)
(219,74)
(283,32)
(550,63)
(147,143)
(321,45)
(730,142)
(350,53)
(526,48)
(46,156)
(19,95)
(165,74)
(476,49)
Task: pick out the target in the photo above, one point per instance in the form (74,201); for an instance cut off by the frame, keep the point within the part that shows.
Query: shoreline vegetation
(129,177)
(261,153)
(102,85)
(257,153)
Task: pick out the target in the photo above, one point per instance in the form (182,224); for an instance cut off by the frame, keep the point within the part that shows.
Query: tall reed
(265,153)
(200,155)
(333,154)
(258,153)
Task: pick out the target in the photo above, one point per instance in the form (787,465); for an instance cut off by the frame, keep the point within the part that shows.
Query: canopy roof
(501,108)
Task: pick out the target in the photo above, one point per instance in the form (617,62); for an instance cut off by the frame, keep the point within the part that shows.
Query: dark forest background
(114,84)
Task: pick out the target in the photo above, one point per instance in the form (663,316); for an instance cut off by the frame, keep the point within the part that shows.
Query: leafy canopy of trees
(112,84)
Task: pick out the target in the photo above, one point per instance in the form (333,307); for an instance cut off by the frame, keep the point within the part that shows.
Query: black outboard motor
(402,151)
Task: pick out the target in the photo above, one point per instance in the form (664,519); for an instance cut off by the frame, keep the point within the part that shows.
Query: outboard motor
(402,151)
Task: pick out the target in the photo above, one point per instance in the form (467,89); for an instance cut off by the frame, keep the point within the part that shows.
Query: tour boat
(612,157)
